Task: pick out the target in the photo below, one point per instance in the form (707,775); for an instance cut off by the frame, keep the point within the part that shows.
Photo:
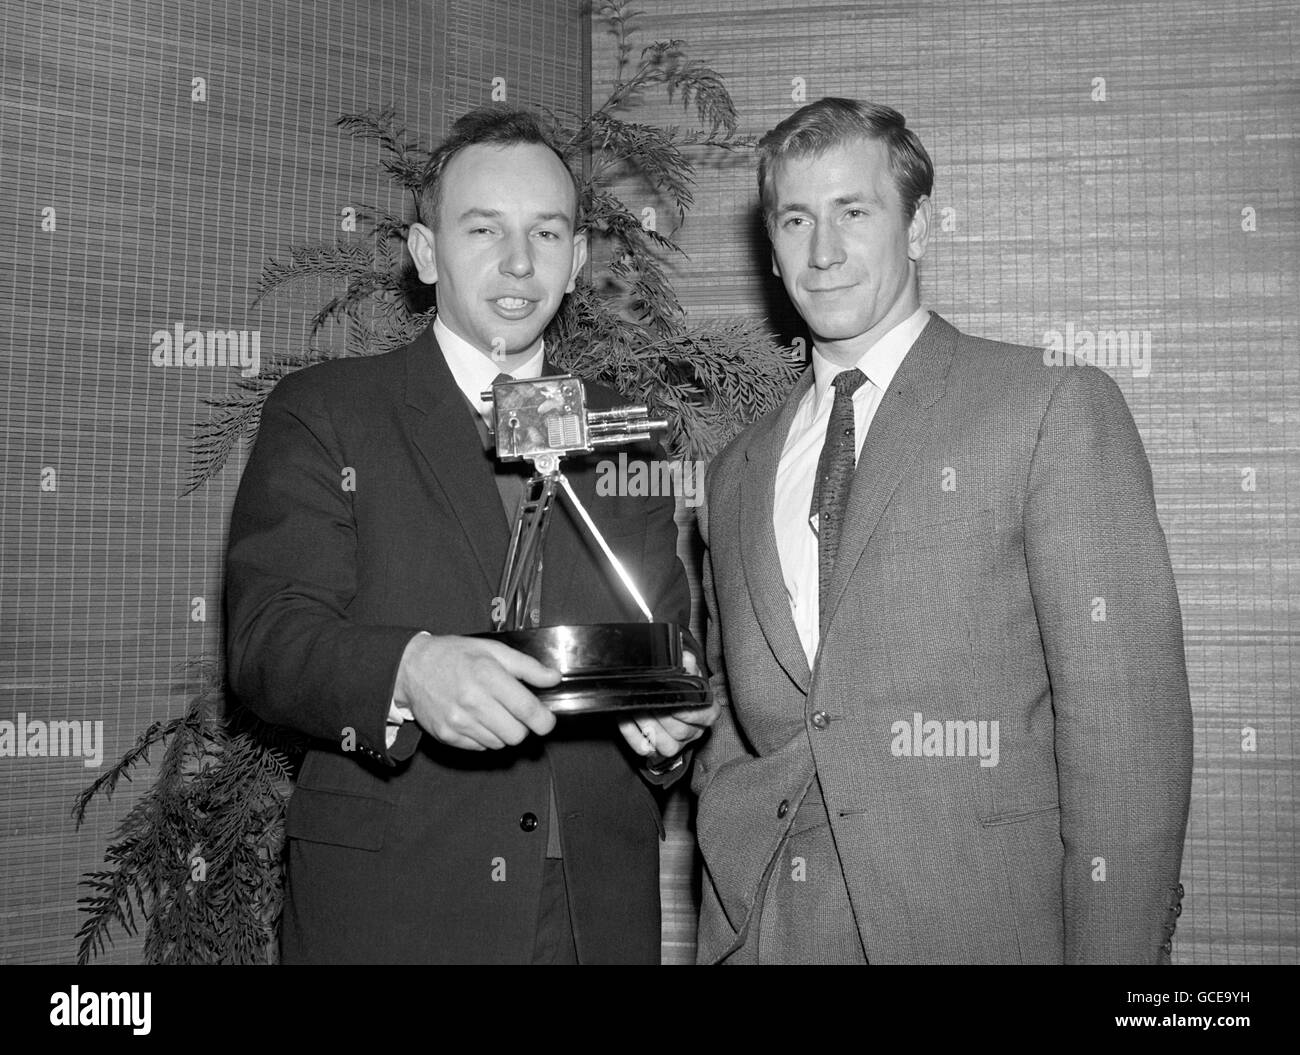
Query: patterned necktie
(834,477)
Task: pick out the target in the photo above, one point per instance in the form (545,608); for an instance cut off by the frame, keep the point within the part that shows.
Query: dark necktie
(834,477)
(511,479)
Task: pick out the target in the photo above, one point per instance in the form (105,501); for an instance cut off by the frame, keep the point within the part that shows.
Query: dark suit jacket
(1001,561)
(368,512)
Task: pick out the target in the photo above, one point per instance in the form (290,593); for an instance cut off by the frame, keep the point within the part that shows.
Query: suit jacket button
(820,720)
(784,808)
(528,822)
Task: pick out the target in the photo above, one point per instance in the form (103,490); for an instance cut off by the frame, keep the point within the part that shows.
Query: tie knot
(849,381)
(501,378)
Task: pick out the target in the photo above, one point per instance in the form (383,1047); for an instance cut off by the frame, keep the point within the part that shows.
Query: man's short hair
(827,123)
(496,126)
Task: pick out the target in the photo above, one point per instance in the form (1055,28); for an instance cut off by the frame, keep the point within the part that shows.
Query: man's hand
(667,734)
(467,692)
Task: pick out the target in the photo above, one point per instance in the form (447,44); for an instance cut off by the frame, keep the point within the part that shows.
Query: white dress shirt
(796,542)
(473,372)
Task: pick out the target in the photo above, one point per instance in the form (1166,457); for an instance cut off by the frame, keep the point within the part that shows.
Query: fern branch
(402,157)
(352,261)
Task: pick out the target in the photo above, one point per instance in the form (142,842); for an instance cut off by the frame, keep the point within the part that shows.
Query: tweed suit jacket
(1001,562)
(368,512)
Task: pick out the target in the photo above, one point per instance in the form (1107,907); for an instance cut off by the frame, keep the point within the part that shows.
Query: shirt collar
(473,371)
(880,362)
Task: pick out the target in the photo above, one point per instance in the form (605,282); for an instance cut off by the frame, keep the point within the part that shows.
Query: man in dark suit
(958,727)
(444,815)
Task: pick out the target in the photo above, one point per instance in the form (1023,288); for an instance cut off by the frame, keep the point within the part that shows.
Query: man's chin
(827,331)
(832,322)
(507,343)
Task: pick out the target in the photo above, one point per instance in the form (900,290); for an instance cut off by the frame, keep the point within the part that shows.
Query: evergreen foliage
(199,857)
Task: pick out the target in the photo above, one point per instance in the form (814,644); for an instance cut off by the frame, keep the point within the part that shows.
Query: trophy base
(611,666)
(598,695)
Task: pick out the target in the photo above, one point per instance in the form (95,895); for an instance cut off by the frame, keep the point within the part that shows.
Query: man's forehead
(856,167)
(501,177)
(523,163)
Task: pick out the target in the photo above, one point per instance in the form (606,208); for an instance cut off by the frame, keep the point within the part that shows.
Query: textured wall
(1161,203)
(167,197)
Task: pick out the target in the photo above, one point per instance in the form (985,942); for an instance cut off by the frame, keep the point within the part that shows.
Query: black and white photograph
(640,482)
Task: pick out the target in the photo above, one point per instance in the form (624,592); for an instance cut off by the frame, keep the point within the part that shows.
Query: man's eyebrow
(486,214)
(857,197)
(496,214)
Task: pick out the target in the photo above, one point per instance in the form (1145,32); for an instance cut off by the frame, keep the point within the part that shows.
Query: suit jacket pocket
(951,533)
(337,818)
(1015,816)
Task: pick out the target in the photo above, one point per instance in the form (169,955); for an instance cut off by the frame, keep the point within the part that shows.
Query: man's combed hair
(827,123)
(494,126)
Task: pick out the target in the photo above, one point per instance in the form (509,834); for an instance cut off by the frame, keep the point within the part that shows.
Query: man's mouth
(513,307)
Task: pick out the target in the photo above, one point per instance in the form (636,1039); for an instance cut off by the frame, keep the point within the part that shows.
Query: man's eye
(856,214)
(793,221)
(480,230)
(548,235)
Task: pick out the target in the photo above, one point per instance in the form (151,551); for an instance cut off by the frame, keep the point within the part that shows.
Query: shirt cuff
(399,712)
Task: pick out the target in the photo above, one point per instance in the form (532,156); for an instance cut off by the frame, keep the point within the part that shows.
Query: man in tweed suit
(942,607)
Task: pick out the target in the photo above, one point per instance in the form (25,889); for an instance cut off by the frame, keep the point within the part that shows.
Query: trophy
(604,666)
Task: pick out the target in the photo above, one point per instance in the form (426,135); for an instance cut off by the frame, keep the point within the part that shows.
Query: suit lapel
(897,432)
(442,430)
(761,558)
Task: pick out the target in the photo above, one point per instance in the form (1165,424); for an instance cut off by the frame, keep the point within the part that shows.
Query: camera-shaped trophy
(604,666)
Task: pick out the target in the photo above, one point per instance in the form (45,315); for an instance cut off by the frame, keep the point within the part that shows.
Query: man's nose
(826,249)
(518,258)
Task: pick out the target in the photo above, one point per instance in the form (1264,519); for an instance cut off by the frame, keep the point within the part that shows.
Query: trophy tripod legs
(518,597)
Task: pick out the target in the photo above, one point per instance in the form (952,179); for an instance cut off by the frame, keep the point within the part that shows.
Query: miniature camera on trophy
(604,666)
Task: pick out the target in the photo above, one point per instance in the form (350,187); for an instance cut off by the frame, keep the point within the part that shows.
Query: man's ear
(776,264)
(579,258)
(420,244)
(918,232)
